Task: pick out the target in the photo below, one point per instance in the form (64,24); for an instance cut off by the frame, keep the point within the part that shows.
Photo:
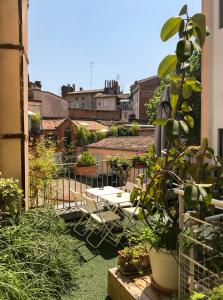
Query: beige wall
(14,93)
(106,103)
(54,106)
(212,67)
(82,100)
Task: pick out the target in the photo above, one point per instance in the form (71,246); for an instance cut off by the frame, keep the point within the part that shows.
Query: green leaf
(199,21)
(190,121)
(134,194)
(186,107)
(196,86)
(172,128)
(183,10)
(184,126)
(170,28)
(152,151)
(167,65)
(173,100)
(184,50)
(186,91)
(160,122)
(191,194)
(207,199)
(191,81)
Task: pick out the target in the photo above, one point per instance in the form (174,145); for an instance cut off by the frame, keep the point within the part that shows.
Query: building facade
(47,104)
(141,91)
(212,66)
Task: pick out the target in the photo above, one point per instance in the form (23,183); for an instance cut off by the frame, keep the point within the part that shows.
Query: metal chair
(103,221)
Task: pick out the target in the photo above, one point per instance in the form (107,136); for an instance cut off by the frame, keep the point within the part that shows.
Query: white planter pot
(164,270)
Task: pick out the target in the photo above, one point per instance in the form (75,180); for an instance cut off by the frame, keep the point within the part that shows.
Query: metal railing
(200,250)
(57,190)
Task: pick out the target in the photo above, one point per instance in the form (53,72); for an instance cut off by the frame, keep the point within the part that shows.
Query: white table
(107,190)
(117,200)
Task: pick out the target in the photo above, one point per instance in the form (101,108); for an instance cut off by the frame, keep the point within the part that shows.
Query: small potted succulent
(86,164)
(133,260)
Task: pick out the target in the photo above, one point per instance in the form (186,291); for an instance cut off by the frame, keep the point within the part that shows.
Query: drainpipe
(14,92)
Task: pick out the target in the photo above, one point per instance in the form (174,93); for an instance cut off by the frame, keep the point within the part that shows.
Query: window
(220,13)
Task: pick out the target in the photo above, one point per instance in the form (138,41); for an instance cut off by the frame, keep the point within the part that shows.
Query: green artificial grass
(92,275)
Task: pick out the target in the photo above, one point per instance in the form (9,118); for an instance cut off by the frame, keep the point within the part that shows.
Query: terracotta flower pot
(127,267)
(86,170)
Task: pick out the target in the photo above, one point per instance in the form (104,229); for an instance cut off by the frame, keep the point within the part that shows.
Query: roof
(86,92)
(127,143)
(51,124)
(143,80)
(101,95)
(57,96)
(91,125)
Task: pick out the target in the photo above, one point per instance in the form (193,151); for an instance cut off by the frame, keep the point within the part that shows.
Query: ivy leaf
(170,28)
(183,10)
(160,122)
(186,91)
(190,121)
(167,65)
(174,100)
(184,126)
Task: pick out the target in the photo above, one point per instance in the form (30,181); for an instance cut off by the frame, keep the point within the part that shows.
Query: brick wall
(147,89)
(88,114)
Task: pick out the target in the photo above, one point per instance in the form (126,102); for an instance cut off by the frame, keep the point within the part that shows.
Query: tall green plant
(170,170)
(42,168)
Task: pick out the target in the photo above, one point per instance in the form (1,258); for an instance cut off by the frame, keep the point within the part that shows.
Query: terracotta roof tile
(129,143)
(91,125)
(51,124)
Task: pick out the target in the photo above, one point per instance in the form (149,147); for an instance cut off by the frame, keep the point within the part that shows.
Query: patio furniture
(103,221)
(81,205)
(101,191)
(129,186)
(118,200)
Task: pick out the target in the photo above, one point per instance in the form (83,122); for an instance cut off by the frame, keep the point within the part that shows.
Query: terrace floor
(94,270)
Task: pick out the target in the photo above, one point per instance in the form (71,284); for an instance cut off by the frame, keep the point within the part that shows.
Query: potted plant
(160,207)
(122,167)
(86,164)
(139,160)
(133,260)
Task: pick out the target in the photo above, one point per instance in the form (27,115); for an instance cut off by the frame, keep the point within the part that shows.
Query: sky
(121,37)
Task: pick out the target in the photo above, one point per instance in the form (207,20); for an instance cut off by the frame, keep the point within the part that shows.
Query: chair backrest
(76,195)
(129,186)
(90,204)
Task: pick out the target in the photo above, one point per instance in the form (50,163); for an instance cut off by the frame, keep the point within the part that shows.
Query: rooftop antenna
(92,66)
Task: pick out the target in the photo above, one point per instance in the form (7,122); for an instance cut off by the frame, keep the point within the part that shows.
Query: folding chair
(84,209)
(103,221)
(129,186)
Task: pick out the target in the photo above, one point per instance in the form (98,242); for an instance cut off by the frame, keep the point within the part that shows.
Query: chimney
(81,89)
(38,84)
(67,89)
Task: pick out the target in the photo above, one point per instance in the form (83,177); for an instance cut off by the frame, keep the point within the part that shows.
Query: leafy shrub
(86,160)
(99,135)
(11,197)
(134,128)
(42,167)
(35,120)
(83,136)
(113,130)
(122,166)
(37,259)
(217,293)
